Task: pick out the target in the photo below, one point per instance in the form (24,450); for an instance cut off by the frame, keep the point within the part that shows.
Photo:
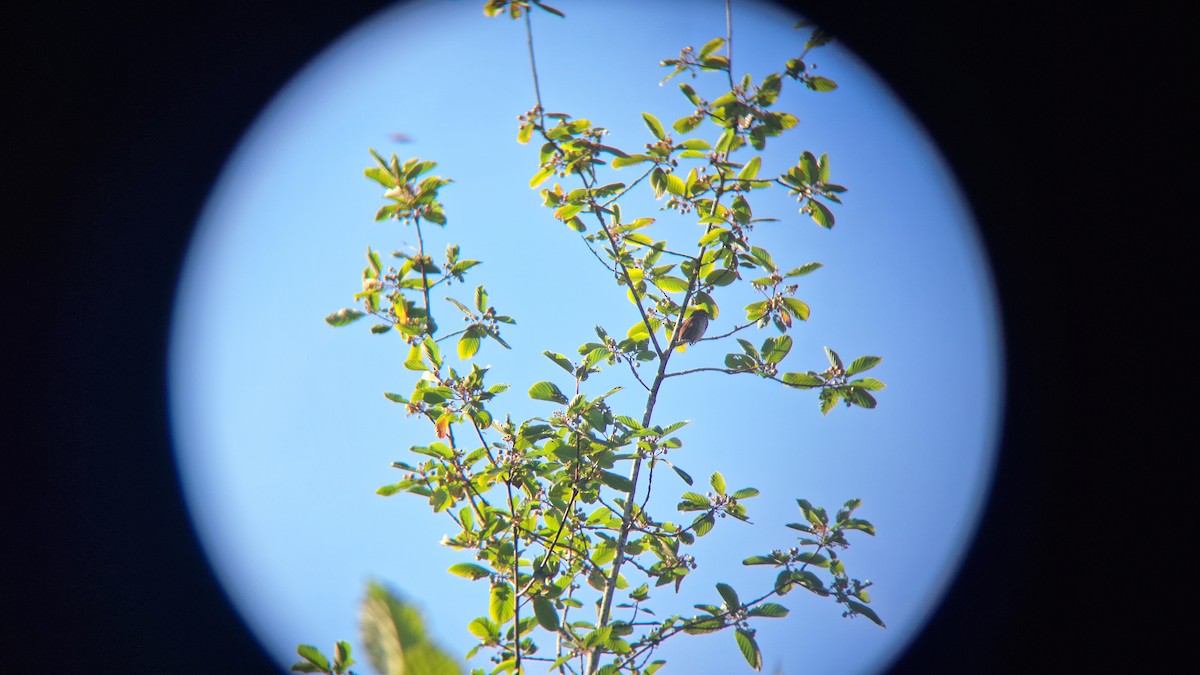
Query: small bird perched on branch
(693,327)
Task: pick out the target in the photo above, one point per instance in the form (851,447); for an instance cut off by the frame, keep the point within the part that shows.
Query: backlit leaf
(343,317)
(547,391)
(749,648)
(654,125)
(502,604)
(863,363)
(470,571)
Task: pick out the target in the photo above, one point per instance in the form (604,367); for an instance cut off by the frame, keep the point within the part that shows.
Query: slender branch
(424,277)
(626,517)
(689,371)
(681,255)
(735,330)
(486,448)
(537,90)
(461,471)
(625,272)
(597,255)
(450,335)
(629,187)
(649,489)
(729,40)
(512,511)
(637,377)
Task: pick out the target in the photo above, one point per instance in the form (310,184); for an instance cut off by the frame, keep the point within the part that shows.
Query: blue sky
(282,431)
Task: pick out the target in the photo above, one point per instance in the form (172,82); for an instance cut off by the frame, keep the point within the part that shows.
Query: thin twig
(537,90)
(729,371)
(729,40)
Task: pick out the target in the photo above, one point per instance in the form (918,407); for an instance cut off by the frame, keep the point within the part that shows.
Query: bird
(693,327)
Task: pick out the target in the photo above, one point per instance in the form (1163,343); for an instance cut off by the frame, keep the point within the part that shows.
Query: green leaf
(821,214)
(690,93)
(775,349)
(763,256)
(381,176)
(482,628)
(560,360)
(502,604)
(863,363)
(712,235)
(550,9)
(802,380)
(749,171)
(710,47)
(462,308)
(619,162)
(749,648)
(386,211)
(810,558)
(604,552)
(435,449)
(658,181)
(868,383)
(860,608)
(470,571)
(654,125)
(541,176)
(804,269)
(686,125)
(616,481)
(739,362)
(315,659)
(834,359)
(481,299)
(827,402)
(770,609)
(415,359)
(389,490)
(729,595)
(435,216)
(818,83)
(468,345)
(745,493)
(687,478)
(860,397)
(859,524)
(675,185)
(671,284)
(492,334)
(721,277)
(568,211)
(718,482)
(756,310)
(431,352)
(343,317)
(395,637)
(342,659)
(546,615)
(547,391)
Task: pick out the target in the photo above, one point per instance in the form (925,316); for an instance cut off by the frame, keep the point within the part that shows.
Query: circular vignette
(282,436)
